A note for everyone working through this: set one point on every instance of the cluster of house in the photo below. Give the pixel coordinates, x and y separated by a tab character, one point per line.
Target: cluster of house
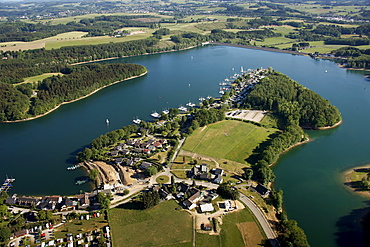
196	197
137	147
60	203
202	172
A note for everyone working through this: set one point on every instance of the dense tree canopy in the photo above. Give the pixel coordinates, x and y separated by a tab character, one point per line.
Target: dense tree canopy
279	93
80	81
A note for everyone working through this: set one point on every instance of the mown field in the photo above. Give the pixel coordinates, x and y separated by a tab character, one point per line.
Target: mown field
158	226
38	78
237	229
229	139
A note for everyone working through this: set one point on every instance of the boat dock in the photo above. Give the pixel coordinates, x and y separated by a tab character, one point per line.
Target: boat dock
7	184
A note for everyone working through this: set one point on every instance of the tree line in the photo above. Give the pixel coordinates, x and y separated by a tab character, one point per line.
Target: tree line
356	58
19	102
97	26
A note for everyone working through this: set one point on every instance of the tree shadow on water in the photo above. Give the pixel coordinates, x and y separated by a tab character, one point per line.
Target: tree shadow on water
351	231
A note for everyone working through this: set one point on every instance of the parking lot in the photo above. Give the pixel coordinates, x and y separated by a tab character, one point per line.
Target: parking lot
251	115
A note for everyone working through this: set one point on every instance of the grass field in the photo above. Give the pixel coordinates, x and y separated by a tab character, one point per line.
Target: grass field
178	163
38	78
230	139
158	226
55	44
204	239
230	233
180	173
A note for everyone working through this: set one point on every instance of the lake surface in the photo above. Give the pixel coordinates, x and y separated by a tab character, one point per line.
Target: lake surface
38	152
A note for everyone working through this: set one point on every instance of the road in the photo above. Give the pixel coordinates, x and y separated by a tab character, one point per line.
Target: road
261	219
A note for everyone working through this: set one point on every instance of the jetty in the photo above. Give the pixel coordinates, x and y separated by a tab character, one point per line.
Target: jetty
7	184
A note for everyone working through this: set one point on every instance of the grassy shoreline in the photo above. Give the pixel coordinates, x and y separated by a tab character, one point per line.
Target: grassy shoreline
71	101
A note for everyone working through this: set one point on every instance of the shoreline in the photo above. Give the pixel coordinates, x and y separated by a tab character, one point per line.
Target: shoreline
291	147
346	180
71	101
145	54
331	127
261	48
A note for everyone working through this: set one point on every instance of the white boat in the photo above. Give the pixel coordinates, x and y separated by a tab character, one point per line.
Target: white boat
190	104
107	121
183	108
137	121
208	97
166	112
202	99
155	115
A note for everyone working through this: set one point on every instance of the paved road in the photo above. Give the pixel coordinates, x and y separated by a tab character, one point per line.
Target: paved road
261	219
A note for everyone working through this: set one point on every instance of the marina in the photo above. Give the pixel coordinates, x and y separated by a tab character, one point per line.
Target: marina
71	168
7	184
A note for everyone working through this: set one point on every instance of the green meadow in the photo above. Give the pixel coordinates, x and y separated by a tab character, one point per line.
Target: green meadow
229	139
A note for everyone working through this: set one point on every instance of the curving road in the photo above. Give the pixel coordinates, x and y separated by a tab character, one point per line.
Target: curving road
271	236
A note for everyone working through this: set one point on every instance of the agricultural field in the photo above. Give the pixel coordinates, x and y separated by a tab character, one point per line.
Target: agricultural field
162	225
55	44
41	43
229	139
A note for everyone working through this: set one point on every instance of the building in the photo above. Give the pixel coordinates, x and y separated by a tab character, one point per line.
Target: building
208	207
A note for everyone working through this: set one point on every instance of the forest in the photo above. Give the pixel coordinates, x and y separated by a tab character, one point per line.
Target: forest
97	26
288	99
27	100
356	58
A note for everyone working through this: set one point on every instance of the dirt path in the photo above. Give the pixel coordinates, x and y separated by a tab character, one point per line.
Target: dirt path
199	156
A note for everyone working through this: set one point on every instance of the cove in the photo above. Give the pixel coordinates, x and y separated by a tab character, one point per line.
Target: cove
38	152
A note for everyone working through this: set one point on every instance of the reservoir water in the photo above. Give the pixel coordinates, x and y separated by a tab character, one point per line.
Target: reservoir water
38	152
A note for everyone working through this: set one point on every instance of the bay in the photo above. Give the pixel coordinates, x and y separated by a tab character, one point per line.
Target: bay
38	152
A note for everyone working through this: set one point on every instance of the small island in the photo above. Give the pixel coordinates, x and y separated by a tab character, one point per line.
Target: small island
358	180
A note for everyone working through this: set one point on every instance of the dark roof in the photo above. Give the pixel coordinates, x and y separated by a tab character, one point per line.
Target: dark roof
262	190
145	165
183	187
218	171
10	200
187	203
204	176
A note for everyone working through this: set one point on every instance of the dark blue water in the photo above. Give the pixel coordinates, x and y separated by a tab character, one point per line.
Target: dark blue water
37	152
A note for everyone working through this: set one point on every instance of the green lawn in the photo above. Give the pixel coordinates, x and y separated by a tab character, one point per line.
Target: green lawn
204	239
180	174
230	234
158	226
274	41
39	77
162	179
229	139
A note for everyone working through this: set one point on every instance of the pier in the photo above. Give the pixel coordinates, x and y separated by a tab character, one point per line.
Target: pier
7	184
